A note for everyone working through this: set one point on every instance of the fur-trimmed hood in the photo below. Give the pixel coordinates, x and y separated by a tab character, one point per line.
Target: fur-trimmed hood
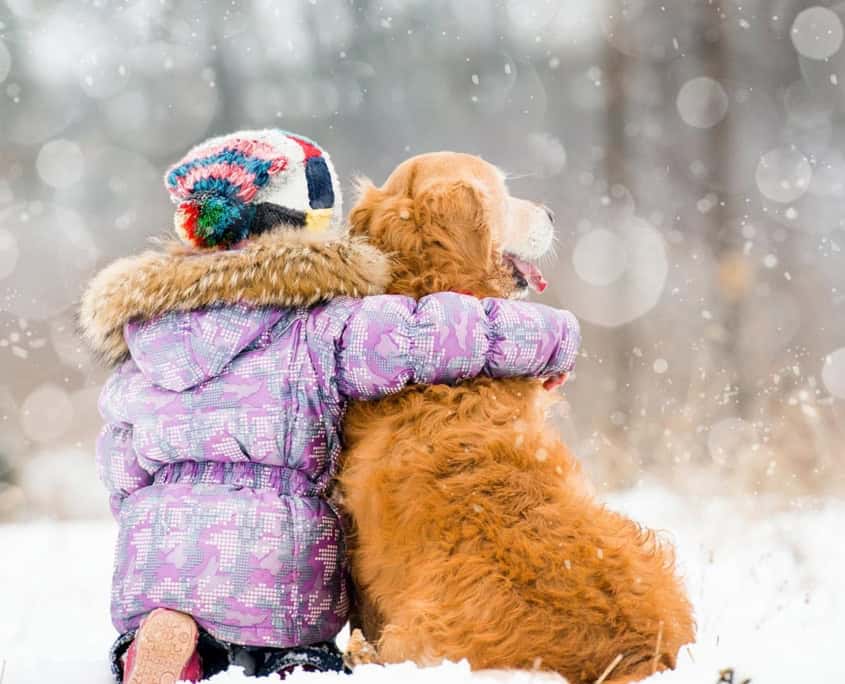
281	268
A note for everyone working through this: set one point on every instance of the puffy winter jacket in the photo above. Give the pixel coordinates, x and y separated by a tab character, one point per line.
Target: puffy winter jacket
223	433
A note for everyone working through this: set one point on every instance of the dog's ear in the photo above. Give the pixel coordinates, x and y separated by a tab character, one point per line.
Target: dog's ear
383	218
460	214
361	215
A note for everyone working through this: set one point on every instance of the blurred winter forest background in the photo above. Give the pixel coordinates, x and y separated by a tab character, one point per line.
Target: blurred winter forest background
691	149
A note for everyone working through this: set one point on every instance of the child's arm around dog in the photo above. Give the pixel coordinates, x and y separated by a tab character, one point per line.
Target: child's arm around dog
391	341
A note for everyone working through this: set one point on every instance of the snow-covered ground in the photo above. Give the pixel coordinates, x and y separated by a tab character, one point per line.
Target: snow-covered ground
766	585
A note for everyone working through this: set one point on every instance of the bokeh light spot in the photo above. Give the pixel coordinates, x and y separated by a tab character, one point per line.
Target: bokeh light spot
783	174
47	413
9	253
51	264
60	163
599	257
5	62
101	71
620	273
702	102
548	155
817	33
833	373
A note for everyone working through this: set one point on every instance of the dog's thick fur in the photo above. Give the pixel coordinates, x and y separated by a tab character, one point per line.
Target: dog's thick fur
475	535
279	268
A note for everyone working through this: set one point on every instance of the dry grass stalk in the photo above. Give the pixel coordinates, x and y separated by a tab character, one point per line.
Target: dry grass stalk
657	648
609	669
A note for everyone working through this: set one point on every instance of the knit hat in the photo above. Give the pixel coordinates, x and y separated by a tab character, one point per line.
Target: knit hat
235	186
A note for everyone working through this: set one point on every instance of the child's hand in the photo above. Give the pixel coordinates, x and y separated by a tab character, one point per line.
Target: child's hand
555	381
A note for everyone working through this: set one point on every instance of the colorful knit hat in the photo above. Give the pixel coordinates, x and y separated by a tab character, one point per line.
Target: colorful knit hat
235	186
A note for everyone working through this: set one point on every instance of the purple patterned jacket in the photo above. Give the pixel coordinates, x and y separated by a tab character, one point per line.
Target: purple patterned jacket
223	434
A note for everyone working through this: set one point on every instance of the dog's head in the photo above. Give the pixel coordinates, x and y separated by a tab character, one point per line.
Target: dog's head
451	224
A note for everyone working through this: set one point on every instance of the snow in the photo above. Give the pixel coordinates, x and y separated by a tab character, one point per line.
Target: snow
764	580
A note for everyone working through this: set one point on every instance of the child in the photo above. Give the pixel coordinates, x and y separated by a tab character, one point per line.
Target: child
223	421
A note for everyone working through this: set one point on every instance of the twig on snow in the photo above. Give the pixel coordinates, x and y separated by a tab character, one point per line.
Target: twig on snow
657	648
609	669
3	671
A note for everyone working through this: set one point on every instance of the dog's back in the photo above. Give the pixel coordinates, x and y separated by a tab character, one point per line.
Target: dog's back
476	538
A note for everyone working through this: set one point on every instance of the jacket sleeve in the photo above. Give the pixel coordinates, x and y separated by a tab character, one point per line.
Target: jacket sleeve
529	339
118	465
391	341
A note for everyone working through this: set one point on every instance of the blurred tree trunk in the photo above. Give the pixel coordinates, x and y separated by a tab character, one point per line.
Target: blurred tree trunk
615	68
226	117
734	278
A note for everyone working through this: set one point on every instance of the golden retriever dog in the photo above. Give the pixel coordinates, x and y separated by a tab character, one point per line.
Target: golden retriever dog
475	535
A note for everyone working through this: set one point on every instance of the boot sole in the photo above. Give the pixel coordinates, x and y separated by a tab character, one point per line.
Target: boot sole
164	644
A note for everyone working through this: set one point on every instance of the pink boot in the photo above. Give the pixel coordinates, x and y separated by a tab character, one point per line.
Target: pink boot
164	650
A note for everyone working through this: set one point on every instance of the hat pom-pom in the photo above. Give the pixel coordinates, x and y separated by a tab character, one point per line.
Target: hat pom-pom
213	221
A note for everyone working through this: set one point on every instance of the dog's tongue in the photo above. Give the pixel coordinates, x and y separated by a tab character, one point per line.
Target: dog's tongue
531	273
